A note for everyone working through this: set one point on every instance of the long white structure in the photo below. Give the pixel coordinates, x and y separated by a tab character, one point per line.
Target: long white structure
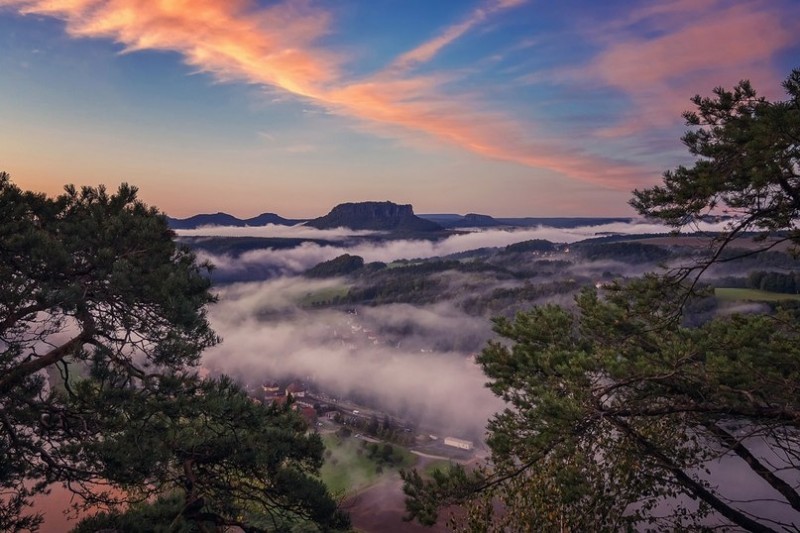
458	443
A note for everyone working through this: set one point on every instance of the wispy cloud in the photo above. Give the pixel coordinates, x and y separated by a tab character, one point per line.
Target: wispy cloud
427	50
228	38
662	54
280	47
277	47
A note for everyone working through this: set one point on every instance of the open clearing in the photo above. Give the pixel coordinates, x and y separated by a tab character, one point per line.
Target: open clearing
323	296
348	468
729	294
442	465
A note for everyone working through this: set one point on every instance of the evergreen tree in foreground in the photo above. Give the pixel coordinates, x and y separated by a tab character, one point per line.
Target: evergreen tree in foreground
619	417
102	323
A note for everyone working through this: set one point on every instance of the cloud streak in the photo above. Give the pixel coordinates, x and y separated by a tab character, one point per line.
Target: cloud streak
229	39
697	45
657	57
427	50
278	47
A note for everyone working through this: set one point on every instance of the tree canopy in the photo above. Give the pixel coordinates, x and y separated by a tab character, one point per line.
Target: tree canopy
747	165
619	416
102	324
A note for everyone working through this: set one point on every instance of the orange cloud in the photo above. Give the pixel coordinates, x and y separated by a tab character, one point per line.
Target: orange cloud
227	38
235	40
410	103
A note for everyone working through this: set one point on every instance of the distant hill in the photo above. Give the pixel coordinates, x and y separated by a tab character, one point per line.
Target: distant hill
340	266
271	218
534	245
474	220
443	219
224	219
378	216
562	222
470	220
388	216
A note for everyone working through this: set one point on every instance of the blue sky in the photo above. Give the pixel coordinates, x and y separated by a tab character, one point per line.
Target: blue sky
506	107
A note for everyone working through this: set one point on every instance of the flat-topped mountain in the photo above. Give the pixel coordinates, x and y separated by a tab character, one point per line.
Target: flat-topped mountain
224	219
377	216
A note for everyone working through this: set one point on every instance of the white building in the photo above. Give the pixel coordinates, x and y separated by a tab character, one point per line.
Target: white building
458	443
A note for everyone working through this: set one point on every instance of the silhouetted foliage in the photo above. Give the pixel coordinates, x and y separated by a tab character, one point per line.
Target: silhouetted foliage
617	412
102	323
747	167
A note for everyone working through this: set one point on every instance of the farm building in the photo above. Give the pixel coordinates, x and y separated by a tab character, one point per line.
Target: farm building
458	443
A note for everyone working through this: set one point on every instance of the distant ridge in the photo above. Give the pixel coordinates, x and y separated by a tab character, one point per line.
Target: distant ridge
388	216
270	218
564	222
376	216
474	220
224	219
470	220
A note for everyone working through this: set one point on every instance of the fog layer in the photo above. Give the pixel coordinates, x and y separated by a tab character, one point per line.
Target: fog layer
385	354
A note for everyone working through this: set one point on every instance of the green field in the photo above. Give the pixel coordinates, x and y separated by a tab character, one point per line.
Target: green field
728	294
403	458
323	296
442	465
348	467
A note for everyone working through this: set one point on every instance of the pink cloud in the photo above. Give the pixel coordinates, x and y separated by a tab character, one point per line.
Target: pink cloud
419	104
228	38
234	40
700	45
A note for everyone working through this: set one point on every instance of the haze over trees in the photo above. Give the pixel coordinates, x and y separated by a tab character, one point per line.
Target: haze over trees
620	416
102	323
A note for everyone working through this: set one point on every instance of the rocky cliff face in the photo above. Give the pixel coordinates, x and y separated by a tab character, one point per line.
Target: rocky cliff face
379	216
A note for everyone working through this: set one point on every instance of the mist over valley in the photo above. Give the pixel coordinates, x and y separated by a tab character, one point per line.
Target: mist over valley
392	319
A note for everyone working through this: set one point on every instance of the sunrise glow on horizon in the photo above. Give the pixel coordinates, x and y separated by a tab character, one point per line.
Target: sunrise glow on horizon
504	107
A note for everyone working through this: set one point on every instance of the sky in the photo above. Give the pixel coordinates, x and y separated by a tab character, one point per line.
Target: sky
503	107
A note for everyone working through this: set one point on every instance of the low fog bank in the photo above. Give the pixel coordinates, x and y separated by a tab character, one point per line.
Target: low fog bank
385	354
550	233
272	262
268	263
274	231
411	358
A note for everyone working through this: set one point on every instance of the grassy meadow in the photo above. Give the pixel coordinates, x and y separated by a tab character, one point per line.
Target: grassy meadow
730	295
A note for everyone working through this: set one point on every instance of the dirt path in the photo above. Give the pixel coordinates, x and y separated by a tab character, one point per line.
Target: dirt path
380	509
